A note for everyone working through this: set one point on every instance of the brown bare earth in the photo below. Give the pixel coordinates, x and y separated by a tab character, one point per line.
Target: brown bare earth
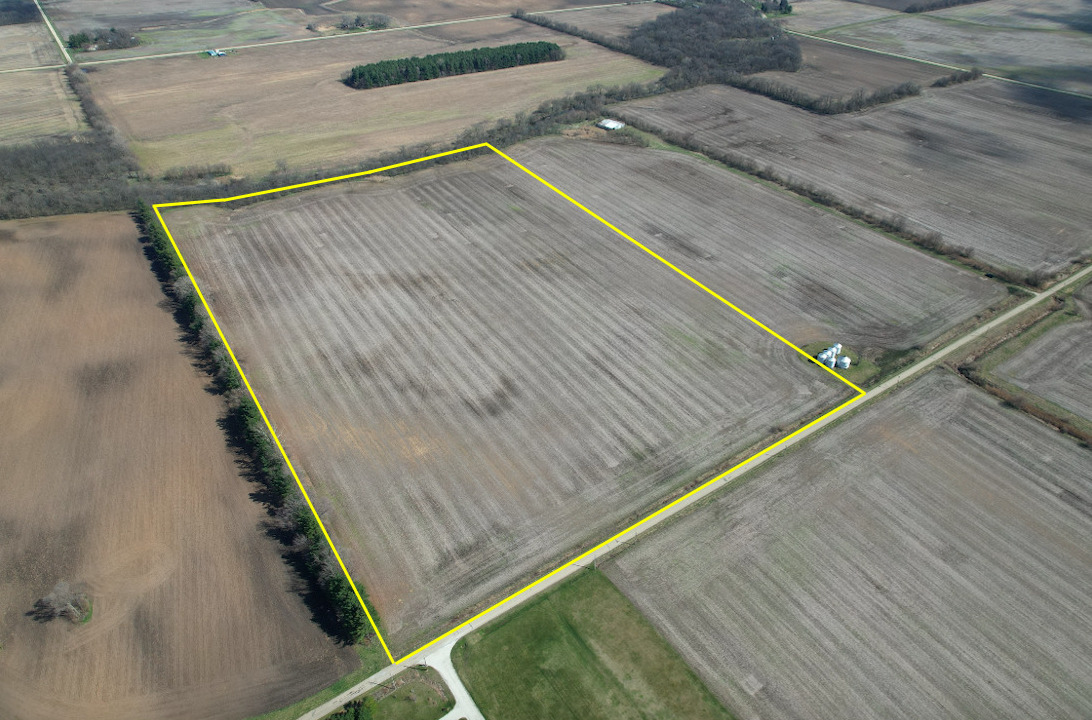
116	477
36	105
835	70
1058	365
942	161
415	12
613	22
816	15
805	272
258	106
477	377
26	45
926	558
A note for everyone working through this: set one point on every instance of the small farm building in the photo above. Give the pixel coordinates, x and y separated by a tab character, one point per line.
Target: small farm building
608	124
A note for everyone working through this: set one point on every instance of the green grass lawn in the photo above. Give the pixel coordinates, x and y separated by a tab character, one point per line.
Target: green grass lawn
580	652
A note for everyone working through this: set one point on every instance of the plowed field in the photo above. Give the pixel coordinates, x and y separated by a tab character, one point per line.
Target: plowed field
288	103
942	161
804	272
37	105
926	558
477	376
830	69
1058	365
116	477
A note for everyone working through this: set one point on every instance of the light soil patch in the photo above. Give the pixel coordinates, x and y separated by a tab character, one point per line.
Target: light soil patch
176	26
926	558
613	22
117	477
416	12
942	161
814	15
36	105
1053	58
288	102
26	45
1058	365
834	70
477	377
807	273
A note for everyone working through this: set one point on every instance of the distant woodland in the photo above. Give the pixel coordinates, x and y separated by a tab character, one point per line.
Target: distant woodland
17	12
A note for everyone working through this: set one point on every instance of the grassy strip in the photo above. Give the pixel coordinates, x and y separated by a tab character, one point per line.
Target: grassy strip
247	431
581	651
462	62
417	693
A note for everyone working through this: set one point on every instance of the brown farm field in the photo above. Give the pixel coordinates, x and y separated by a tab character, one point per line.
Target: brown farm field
26	45
1056	58
477	378
36	105
942	161
801	270
1057	366
614	22
817	15
116	477
416	12
258	106
830	69
178	25
927	557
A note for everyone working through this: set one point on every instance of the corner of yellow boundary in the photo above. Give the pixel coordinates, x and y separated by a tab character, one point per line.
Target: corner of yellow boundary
575	560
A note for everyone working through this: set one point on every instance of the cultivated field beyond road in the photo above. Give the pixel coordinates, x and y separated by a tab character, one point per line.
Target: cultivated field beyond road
116	478
926	557
479	378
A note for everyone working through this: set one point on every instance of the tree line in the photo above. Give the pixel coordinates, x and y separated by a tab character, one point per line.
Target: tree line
103	39
243	423
462	62
18	12
936	5
714	41
827	104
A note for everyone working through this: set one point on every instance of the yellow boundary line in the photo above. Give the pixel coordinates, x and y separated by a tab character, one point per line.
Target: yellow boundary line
570	563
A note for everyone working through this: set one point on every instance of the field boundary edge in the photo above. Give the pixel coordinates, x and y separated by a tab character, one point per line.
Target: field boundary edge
299	484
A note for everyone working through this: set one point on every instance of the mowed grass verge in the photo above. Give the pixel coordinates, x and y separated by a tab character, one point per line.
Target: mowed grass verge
581	651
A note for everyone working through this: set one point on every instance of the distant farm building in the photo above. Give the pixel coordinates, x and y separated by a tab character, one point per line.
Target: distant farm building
216	53
608	124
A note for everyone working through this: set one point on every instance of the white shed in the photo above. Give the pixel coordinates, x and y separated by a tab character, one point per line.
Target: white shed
608	124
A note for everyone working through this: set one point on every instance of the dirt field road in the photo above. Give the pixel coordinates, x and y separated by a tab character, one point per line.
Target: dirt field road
633	533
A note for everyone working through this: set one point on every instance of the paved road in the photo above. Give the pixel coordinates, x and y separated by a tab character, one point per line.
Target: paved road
428	655
53	32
